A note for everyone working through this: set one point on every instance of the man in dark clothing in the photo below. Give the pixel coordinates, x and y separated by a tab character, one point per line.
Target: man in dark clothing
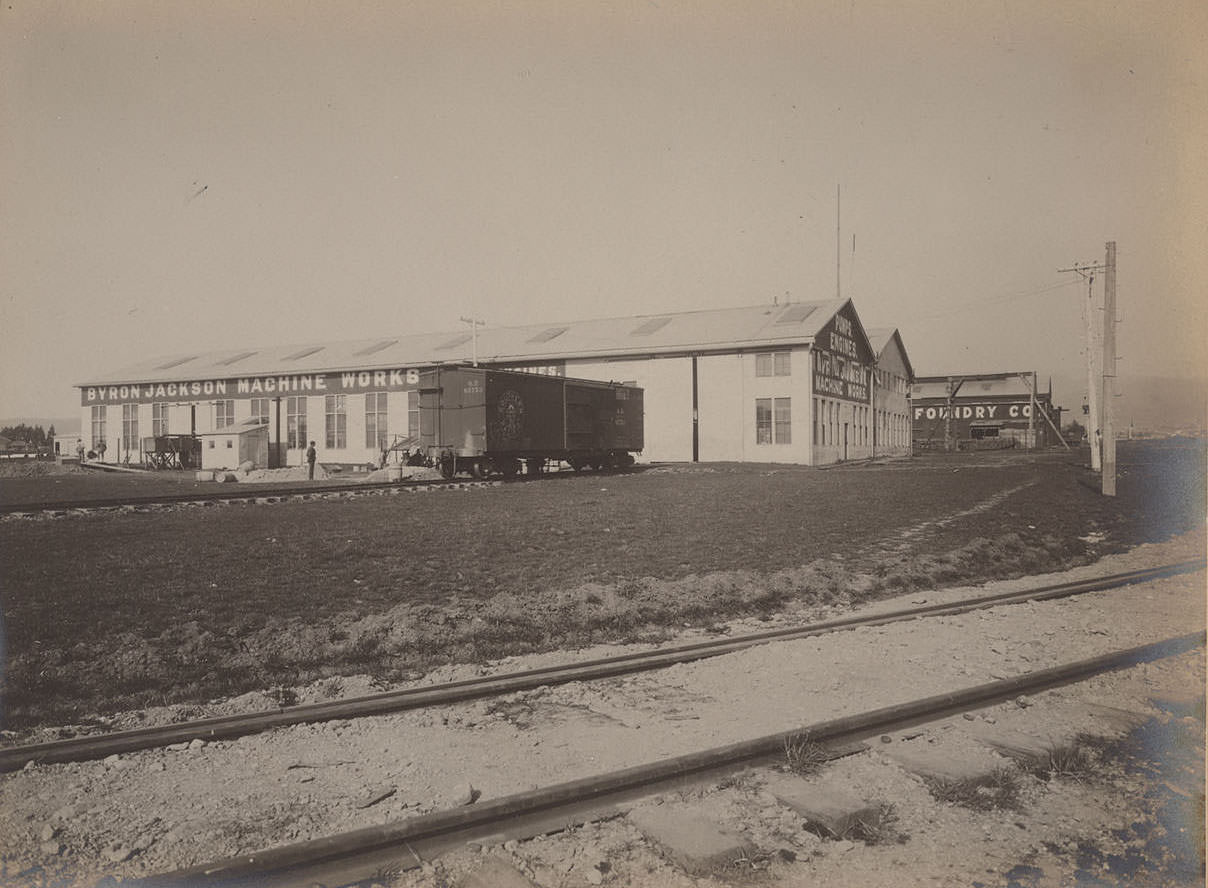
310	461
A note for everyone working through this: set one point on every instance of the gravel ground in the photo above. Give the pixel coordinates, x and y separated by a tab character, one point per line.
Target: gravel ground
128	815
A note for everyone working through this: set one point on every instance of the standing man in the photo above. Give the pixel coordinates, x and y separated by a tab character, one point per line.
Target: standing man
310	461
80	450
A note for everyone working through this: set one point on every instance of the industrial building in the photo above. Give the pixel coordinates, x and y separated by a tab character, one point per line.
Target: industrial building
795	383
984	410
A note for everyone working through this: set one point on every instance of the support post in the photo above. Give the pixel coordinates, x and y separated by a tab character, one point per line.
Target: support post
1031	383
1109	371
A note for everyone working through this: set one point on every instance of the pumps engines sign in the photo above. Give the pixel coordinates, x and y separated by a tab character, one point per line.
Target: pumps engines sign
838	370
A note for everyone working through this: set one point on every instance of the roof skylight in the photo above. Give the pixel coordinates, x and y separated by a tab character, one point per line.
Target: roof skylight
651	326
377	347
306	352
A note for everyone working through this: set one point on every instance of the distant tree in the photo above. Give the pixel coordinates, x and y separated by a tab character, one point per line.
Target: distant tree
50	432
1074	430
34	435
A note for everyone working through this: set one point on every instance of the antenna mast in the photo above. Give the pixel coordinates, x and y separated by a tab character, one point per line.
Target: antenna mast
838	244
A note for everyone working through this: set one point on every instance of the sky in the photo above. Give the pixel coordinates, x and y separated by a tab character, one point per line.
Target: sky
178	177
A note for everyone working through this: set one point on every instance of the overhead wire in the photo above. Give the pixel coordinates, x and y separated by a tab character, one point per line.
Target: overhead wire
997	300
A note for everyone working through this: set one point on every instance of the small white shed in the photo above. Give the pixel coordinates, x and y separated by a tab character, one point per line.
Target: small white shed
230	447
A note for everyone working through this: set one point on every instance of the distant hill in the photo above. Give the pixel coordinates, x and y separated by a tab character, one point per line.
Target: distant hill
65	426
1151	403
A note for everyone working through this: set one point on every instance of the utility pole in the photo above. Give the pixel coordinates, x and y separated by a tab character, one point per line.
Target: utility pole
954	386
1094	361
1032	413
1109	370
474	324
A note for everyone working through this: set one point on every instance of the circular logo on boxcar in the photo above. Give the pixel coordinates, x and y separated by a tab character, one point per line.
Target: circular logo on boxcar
510	412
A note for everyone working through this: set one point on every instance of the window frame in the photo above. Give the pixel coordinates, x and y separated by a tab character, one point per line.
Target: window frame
224	413
377	423
295	422
261	416
769	428
159	419
773	363
130	440
99	421
335	413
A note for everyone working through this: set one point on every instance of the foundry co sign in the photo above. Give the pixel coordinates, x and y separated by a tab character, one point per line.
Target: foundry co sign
252	387
976	411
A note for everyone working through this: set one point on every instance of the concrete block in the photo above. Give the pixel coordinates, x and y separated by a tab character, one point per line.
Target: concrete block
496	873
831	809
1026	748
936	763
1116	721
690	839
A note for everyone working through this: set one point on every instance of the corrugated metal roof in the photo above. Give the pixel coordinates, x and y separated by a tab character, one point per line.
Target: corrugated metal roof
693	331
974	385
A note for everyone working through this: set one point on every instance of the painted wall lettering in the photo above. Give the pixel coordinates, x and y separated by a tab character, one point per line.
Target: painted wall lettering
252	387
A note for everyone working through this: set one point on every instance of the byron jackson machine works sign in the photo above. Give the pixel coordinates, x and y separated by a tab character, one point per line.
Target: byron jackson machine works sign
252	387
841	360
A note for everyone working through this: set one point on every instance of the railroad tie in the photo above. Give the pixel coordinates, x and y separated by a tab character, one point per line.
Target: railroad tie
688	837
936	763
833	810
496	873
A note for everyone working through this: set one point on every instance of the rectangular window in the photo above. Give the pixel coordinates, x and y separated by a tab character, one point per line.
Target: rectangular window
224	414
763	420
295	423
773	421
412	414
773	364
337	421
260	410
782	416
159	420
130	428
375	420
98	425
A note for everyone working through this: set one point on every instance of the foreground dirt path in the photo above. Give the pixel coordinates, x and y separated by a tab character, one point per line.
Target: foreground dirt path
162	809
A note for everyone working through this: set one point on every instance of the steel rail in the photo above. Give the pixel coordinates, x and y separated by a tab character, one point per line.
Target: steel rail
175	499
349	488
366	853
233	726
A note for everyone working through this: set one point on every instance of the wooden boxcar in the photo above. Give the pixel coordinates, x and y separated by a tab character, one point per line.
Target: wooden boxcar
481	421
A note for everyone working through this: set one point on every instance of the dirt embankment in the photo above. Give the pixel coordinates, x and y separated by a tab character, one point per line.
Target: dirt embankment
120	612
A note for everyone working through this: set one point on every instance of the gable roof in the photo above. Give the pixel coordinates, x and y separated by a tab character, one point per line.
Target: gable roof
727	329
882	338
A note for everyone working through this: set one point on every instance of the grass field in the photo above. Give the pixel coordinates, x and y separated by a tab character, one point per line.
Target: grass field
111	612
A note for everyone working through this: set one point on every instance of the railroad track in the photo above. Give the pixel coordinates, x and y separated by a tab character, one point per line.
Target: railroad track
366	854
275	493
229	727
230	497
